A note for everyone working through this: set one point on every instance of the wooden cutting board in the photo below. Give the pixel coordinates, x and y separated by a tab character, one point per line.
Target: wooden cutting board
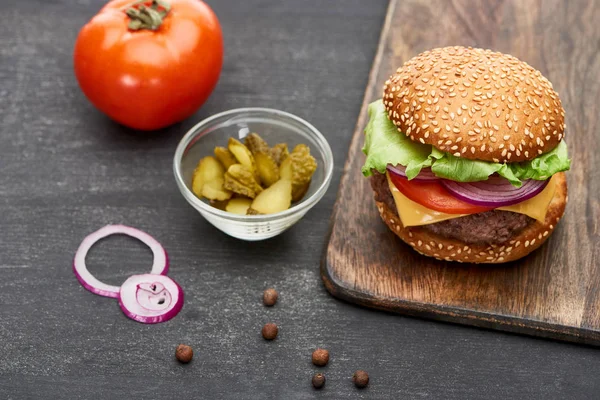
554	292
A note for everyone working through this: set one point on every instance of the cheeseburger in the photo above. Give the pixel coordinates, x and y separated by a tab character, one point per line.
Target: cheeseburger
465	153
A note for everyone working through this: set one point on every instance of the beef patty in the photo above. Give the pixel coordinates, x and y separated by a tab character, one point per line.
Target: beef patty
490	227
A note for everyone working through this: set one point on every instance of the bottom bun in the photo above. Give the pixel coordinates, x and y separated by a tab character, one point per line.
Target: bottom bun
443	248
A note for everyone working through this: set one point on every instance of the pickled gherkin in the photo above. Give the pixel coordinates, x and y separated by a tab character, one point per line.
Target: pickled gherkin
215	190
267	168
220	204
252	211
256	144
280	152
208	169
274	199
303	164
299	167
225	157
239	179
238	205
299	191
243	155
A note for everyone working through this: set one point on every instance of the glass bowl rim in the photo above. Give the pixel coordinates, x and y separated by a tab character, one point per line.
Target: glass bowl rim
303	204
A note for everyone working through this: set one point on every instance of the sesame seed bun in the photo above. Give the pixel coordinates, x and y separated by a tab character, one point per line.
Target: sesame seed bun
443	248
475	103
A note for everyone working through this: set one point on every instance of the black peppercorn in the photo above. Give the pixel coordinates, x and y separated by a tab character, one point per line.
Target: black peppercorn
320	357
269	331
270	297
184	353
318	381
360	379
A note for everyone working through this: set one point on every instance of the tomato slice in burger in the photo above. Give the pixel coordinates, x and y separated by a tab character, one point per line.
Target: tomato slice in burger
434	196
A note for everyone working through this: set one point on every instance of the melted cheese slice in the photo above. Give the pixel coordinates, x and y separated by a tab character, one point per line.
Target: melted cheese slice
414	214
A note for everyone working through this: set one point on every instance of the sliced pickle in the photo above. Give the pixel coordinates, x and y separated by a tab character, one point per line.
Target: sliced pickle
285	169
243	155
220	204
239	179
239	205
299	191
214	190
303	164
267	168
298	167
256	144
207	170
276	198
280	152
225	157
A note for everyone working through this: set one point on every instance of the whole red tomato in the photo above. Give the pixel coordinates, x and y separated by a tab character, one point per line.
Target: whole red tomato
149	64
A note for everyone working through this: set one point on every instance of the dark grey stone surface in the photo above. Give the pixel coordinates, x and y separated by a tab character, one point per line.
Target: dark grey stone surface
66	170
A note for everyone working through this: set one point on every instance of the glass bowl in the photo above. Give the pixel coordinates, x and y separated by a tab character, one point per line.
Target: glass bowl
274	126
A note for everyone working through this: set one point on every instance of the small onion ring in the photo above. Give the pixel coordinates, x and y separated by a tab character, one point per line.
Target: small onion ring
494	192
150	299
425	174
160	264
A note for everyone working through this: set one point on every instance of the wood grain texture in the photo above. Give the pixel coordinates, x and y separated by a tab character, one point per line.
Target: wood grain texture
553	292
65	171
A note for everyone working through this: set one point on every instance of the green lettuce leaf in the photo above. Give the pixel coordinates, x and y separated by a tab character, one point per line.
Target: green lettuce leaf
384	145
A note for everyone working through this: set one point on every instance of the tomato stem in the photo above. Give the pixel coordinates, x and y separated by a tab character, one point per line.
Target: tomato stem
144	16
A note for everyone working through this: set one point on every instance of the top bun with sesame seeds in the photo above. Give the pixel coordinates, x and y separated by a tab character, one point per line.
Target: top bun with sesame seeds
475	103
